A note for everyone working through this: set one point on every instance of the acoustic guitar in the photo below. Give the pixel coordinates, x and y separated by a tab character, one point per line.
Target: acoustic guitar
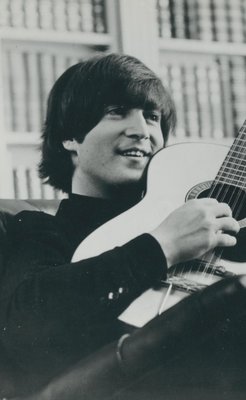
175	175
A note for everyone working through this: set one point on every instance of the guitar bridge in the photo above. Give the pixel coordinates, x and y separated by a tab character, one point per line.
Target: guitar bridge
222	272
180	282
183	284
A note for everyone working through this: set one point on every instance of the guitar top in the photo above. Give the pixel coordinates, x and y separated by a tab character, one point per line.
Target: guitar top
175	175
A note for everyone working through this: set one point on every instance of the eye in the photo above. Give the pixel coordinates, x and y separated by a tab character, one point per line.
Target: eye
115	111
154	116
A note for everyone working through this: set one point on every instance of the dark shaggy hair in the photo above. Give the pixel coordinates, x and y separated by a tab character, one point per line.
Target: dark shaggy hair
78	100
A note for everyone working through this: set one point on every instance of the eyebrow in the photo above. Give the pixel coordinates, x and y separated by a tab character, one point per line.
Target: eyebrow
153	107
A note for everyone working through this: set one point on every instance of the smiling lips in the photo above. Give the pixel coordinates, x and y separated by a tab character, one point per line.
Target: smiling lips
134	152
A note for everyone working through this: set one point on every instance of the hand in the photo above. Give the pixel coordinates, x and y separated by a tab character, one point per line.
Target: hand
193	229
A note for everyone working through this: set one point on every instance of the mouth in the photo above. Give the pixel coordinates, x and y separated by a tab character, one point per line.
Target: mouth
135	153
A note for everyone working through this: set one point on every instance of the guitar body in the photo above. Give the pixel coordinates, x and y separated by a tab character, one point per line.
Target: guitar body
175	175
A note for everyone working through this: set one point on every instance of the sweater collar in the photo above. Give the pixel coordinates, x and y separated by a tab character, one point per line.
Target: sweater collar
92	211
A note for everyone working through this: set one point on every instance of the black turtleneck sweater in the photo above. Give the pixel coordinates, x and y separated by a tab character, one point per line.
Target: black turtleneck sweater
54	312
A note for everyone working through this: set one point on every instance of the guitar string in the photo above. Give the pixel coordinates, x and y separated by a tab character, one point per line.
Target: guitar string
233	150
232	180
236	148
237	204
218	253
242	175
239	167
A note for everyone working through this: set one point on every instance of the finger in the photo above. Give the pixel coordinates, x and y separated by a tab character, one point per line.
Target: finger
207	201
225	240
222	210
227	224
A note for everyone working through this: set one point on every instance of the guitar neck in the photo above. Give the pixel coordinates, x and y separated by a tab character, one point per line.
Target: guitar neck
233	169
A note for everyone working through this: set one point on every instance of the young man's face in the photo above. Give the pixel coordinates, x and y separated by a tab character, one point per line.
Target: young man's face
117	150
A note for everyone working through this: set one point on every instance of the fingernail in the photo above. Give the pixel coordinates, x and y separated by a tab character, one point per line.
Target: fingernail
242	280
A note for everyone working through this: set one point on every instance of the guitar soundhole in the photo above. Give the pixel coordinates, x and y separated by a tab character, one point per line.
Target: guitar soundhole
236	198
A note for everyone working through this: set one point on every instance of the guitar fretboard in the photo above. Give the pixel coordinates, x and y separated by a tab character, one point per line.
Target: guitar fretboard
233	169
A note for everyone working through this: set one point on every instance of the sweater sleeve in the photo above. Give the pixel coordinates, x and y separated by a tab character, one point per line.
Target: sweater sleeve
42	278
52	307
43	252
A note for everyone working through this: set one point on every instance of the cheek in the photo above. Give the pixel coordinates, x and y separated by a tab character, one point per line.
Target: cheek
93	158
159	140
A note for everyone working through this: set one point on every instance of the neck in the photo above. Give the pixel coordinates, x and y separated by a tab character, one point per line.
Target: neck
127	193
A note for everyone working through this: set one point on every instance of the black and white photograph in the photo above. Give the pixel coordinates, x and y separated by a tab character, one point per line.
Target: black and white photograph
122	200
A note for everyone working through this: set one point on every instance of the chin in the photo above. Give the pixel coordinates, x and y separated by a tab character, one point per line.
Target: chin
132	182
132	179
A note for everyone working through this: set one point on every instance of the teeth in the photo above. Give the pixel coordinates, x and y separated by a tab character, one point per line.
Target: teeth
134	153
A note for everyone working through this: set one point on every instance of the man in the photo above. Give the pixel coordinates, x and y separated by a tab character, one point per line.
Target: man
106	118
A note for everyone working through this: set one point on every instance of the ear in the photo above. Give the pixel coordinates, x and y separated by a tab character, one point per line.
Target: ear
70	145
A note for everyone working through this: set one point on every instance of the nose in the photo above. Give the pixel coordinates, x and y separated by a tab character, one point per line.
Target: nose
137	127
